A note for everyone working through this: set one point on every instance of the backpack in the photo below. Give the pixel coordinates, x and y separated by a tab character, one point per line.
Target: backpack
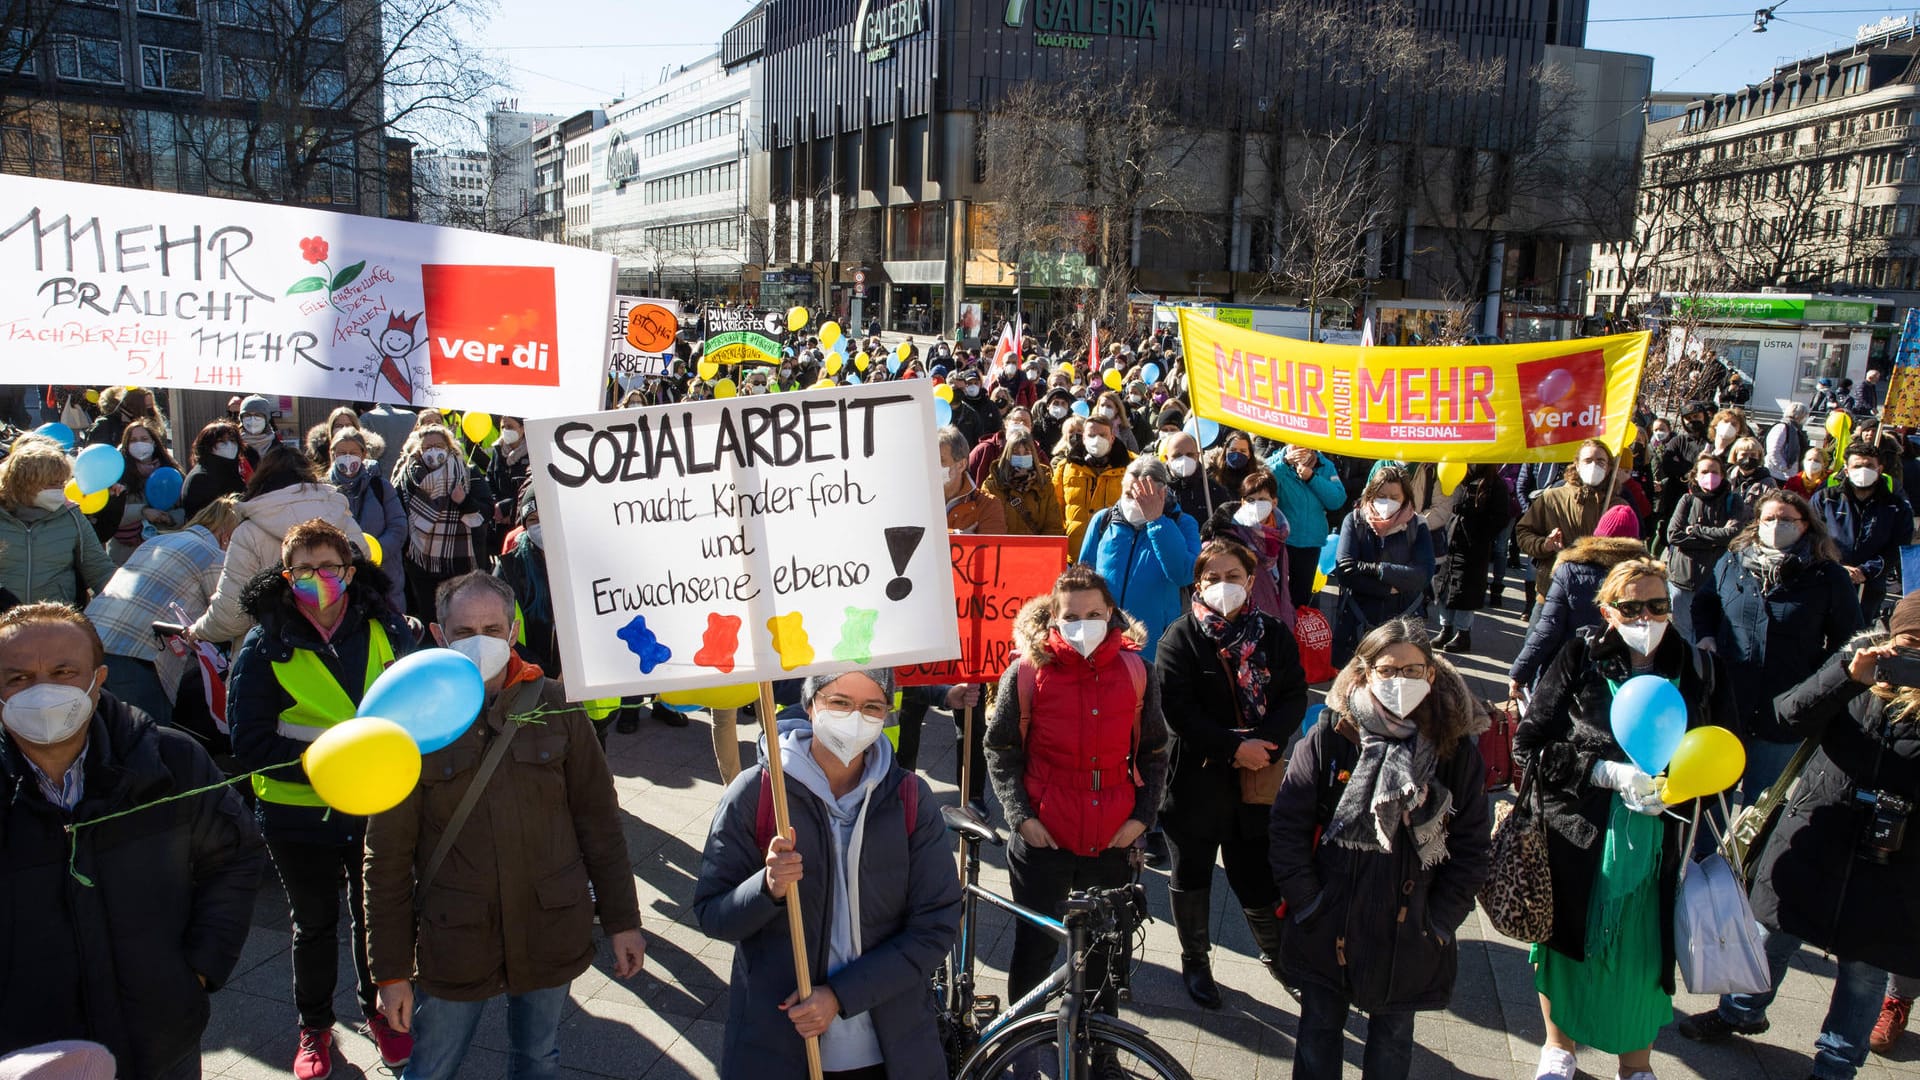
763	815
1025	676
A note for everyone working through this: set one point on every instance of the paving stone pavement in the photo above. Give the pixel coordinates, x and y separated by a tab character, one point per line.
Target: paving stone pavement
669	1022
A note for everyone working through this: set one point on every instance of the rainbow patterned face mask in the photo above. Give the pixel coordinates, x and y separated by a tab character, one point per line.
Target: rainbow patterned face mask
318	590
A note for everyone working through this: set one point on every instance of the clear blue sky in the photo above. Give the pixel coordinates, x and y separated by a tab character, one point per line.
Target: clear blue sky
568	55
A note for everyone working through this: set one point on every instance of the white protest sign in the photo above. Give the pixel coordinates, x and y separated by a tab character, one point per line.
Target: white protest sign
644	328
745	539
112	285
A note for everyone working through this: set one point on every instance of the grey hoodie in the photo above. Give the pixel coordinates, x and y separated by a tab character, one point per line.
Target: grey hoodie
850	1043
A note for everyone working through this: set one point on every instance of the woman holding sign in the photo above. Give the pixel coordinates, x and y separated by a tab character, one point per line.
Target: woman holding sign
868	858
1234	690
1077	752
1605	976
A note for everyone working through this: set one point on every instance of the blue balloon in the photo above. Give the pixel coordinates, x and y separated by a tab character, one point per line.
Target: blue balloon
677	708
1204	431
854	379
1329	553
893	363
435	694
1151	373
1314	712
98	468
1080	408
58	432
163	488
942	412
1649	720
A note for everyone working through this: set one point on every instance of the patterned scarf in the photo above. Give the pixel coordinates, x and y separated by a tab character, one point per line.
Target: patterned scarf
1392	784
1236	639
437	540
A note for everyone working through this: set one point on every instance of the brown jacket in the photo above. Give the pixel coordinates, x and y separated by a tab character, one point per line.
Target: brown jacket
509	911
1574	509
977	512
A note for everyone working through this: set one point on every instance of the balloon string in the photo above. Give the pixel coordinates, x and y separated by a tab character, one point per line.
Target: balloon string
73	829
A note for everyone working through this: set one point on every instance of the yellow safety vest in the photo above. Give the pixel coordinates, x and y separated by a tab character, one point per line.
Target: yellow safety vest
892	730
319	702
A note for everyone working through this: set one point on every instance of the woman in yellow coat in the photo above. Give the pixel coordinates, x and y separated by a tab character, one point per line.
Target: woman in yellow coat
1089	478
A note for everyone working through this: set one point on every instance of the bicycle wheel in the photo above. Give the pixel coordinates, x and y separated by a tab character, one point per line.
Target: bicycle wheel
1027	1050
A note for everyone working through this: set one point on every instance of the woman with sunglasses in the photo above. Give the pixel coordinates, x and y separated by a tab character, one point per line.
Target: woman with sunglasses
1605	976
1775	608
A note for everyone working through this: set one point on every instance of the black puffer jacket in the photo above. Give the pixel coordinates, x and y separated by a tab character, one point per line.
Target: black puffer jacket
1568	728
1202	705
1702	526
1377	927
1811	881
172	897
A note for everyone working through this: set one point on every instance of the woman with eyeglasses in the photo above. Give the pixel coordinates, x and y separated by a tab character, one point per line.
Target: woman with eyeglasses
869	861
1776	607
1384	560
1605	976
1379	842
324	632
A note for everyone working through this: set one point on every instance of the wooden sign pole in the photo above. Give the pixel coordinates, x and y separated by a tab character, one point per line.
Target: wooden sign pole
795	928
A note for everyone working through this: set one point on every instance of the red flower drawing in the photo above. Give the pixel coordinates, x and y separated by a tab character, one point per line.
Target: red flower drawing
314	249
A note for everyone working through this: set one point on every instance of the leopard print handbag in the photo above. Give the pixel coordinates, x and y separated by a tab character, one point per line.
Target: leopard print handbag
1518	894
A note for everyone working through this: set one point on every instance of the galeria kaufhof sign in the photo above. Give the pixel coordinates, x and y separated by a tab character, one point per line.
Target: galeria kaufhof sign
1074	24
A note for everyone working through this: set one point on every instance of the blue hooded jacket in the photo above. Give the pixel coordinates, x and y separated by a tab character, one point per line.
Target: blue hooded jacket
1146	567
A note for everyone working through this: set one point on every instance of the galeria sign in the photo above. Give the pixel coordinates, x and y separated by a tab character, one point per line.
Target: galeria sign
1493	403
109	285
745	539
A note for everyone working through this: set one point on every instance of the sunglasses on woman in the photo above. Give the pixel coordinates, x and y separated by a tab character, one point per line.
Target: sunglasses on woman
1633	609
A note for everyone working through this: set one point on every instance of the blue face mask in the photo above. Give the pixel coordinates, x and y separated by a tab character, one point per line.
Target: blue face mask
1021	461
1236	460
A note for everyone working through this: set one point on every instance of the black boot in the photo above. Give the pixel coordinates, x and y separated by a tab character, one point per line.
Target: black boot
1444	639
1496	593
1526	609
1266	937
1192	909
1460	642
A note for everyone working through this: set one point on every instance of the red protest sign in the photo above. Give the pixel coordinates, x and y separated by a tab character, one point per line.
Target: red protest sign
993	577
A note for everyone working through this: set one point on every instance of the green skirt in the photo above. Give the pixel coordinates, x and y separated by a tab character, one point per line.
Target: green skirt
1614	1001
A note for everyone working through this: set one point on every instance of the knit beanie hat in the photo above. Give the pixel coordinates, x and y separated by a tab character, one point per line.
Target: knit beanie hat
1619	521
1906	615
811	686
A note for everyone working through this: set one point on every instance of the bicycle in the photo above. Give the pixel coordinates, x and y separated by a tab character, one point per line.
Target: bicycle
1067	1042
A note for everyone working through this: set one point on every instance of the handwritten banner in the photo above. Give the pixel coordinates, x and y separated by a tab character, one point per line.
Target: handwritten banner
111	285
1497	403
993	576
644	331
745	539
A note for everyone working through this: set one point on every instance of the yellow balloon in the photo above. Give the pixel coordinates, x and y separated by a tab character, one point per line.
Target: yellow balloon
834	363
796	319
1633	432
862	361
93	397
1319	579
943	392
1067	369
724	388
477	426
90	502
708	369
904	351
1708	761
1450	473
374	554
829	333
1112	379
1840	426
363	766
715	697
823	384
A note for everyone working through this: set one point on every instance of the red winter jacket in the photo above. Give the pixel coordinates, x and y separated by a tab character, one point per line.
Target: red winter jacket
1083	766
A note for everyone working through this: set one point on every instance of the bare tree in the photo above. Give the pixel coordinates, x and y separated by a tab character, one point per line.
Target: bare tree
1084	166
313	87
1329	199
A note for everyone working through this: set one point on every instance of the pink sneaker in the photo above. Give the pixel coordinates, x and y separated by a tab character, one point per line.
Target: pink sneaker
396	1049
314	1059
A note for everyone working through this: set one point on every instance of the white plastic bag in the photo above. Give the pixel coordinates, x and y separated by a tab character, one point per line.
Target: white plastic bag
1715	938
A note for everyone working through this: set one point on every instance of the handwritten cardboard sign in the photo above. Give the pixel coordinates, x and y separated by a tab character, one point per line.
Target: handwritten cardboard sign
993	577
745	539
644	331
111	285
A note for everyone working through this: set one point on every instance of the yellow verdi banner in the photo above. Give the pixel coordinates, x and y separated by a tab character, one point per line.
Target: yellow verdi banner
1499	403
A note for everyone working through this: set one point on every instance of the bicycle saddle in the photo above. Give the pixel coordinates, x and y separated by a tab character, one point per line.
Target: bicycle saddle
964	823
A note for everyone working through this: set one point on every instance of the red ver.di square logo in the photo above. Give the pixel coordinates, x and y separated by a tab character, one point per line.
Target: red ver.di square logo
492	325
1563	398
